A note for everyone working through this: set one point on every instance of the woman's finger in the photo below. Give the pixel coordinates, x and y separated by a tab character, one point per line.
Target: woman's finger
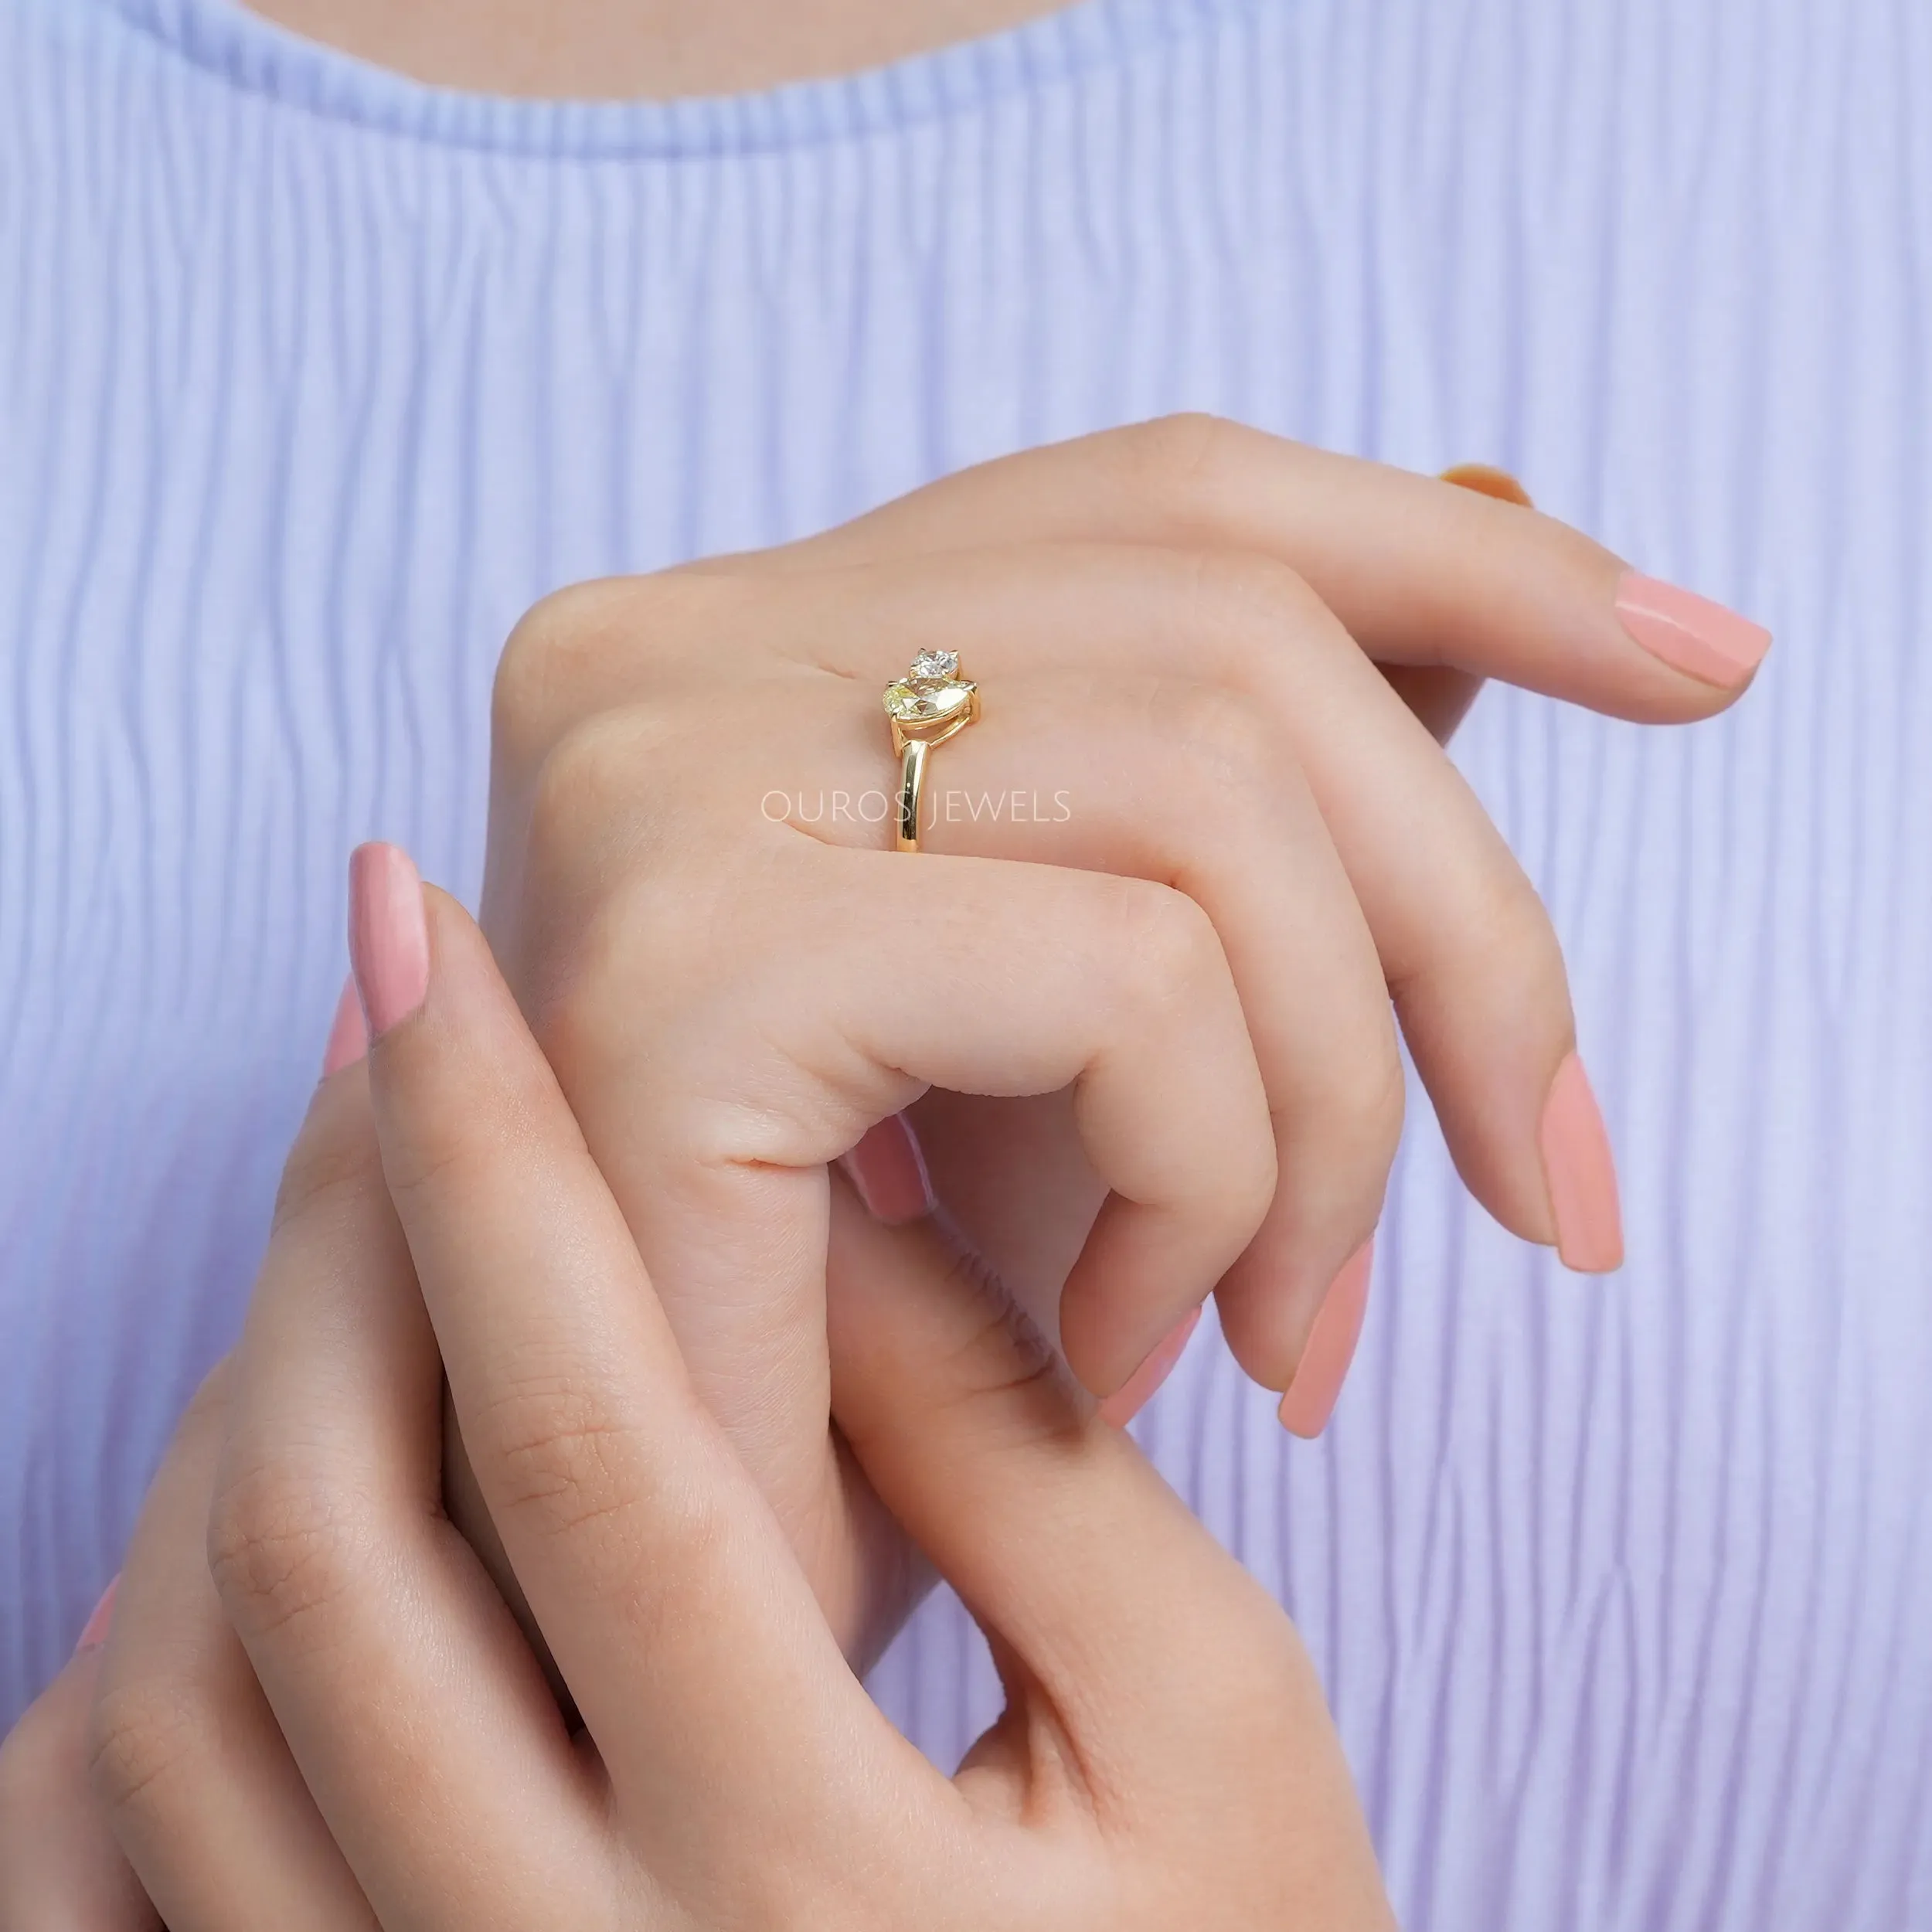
1441	695
678	1615
1420	571
188	1765
1185	784
1088	1573
798	996
61	1869
958	1409
1466	947
420	1721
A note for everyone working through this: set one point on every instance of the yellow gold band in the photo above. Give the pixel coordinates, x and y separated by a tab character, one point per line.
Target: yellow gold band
931	703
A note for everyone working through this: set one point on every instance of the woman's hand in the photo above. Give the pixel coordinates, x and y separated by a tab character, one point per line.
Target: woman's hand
1439	589
340	1726
1185	636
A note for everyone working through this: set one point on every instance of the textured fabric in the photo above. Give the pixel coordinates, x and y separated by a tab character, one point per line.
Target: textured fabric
313	379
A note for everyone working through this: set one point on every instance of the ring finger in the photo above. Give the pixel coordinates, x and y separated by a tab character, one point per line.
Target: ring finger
1183	784
1466	948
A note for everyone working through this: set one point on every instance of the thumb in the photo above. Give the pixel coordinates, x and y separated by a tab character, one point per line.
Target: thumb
1059	1535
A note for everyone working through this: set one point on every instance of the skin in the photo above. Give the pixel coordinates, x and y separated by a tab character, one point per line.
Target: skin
224	1744
654	49
1206	601
1267	827
323	1716
1274	819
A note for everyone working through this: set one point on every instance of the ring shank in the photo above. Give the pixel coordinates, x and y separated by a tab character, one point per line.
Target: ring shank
912	785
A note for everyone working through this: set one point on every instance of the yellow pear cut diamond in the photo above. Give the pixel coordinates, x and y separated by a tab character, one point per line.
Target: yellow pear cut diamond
932	700
926	701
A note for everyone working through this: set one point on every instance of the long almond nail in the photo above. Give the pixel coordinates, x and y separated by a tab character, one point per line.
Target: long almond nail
1311	1396
888	1170
1691	634
1581	1173
1140	1387
95	1634
348	1034
388	941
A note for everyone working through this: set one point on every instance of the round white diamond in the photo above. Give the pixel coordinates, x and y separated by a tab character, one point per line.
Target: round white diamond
938	665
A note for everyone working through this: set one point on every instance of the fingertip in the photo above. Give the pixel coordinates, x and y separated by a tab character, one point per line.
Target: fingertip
419	955
1102	1345
1691	634
1311	1396
887	1168
347	1033
100	1621
1146	1381
1580	1170
455	1076
388	934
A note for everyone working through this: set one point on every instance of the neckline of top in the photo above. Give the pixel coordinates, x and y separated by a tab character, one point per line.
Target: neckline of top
252	52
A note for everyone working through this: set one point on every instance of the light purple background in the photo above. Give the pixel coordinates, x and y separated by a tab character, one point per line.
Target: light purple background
310	381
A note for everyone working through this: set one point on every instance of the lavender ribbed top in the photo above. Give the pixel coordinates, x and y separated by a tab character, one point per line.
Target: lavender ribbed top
312	379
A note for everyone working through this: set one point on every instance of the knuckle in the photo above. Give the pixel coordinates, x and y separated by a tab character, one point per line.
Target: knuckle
1248	599
546	655
1358	1119
559	1457
656	1535
1522	928
597	643
149	1742
1173	457
1163	947
1380	1101
1515	951
990	1378
670	1565
285	1543
1245	1181
1001	1369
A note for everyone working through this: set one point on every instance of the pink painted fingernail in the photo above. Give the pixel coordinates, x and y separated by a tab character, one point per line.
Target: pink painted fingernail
348	1034
1126	1402
95	1634
389	940
889	1170
1581	1173
1311	1396
1690	632
1486	480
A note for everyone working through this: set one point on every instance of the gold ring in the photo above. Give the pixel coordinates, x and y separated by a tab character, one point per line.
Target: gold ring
926	707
